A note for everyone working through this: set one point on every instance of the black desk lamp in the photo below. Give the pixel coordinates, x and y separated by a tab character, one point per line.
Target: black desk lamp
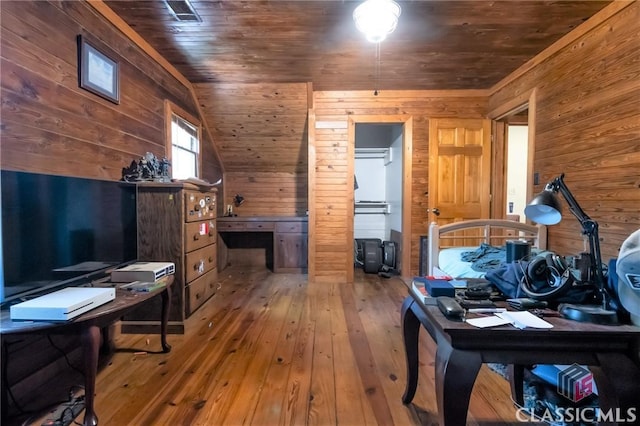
545	209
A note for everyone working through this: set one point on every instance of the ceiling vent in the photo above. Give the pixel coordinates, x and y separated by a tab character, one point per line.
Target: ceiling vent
183	10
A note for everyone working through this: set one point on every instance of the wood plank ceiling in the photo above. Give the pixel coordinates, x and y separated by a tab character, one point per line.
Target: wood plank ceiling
250	61
437	45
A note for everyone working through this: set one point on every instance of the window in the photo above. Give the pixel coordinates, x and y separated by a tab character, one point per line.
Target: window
183	143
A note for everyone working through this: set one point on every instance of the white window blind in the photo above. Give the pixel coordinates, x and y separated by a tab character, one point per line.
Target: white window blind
185	148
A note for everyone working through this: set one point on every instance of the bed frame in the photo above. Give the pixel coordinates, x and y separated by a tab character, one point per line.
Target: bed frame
474	232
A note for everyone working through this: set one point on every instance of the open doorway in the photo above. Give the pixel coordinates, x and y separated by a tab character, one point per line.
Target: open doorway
394	192
377	218
519	113
517	146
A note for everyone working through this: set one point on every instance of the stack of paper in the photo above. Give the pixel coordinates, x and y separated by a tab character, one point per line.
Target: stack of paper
519	319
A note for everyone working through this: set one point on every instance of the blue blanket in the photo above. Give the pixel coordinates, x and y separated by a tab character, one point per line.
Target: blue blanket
485	257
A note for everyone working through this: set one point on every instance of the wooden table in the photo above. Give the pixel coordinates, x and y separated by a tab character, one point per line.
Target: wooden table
612	352
88	326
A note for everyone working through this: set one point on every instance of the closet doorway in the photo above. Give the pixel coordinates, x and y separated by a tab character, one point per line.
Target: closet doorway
381	208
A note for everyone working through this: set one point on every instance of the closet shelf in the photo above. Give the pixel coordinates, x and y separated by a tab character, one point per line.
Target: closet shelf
372	207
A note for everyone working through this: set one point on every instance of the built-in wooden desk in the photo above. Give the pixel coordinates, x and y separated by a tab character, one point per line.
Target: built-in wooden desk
88	327
610	351
283	239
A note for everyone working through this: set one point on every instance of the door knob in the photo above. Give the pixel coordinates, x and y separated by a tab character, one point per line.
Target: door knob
436	211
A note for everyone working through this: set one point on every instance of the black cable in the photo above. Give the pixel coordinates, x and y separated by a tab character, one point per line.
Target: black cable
5	379
35	413
64	354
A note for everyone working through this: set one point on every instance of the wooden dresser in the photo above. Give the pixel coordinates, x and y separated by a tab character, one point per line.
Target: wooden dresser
177	223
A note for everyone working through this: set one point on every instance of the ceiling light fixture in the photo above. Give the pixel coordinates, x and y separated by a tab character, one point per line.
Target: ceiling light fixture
377	18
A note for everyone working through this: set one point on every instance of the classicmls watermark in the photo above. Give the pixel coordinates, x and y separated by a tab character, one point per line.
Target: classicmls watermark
576	383
587	415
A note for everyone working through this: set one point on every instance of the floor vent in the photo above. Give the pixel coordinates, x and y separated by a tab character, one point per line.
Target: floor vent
183	10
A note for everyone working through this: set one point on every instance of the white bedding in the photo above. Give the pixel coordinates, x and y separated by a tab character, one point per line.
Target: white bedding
450	263
443	253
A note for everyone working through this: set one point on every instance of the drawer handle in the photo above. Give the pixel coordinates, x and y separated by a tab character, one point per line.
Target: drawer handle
211	232
210	259
196	237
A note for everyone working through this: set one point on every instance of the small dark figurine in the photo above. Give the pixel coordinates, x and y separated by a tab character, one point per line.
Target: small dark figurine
164	167
148	168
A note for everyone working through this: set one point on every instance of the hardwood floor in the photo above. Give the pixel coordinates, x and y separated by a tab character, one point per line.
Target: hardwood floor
272	349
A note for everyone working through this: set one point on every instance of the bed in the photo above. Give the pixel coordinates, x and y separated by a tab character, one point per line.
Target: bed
447	244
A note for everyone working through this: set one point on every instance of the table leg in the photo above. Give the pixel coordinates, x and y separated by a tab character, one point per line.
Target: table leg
108	346
516	381
410	331
456	373
91	345
618	381
166	305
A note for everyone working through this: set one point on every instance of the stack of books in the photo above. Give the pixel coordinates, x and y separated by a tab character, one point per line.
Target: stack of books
419	290
145	286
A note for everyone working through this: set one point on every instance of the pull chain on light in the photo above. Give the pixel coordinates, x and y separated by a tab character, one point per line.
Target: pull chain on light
377	19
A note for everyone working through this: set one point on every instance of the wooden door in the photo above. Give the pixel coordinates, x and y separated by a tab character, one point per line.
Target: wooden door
459	169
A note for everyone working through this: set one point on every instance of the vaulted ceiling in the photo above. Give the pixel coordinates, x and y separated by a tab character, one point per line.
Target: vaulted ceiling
445	44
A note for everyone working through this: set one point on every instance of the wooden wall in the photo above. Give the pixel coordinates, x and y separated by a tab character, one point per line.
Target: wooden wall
587	101
261	133
331	189
51	125
588	124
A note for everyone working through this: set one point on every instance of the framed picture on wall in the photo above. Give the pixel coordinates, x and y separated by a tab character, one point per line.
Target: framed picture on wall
97	72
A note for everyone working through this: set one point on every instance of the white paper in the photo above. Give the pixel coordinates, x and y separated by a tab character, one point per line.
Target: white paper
523	319
520	319
490	321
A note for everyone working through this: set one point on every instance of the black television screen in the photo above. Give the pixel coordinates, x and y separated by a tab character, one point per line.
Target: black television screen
58	231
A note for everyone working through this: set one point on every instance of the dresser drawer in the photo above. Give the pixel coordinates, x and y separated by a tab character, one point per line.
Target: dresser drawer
199	234
199	205
200	290
199	262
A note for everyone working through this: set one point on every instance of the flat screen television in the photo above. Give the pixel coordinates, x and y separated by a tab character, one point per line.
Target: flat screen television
59	231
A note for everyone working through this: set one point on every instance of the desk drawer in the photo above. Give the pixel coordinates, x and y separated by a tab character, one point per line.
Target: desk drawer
292	227
259	226
199	234
201	290
199	262
231	226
